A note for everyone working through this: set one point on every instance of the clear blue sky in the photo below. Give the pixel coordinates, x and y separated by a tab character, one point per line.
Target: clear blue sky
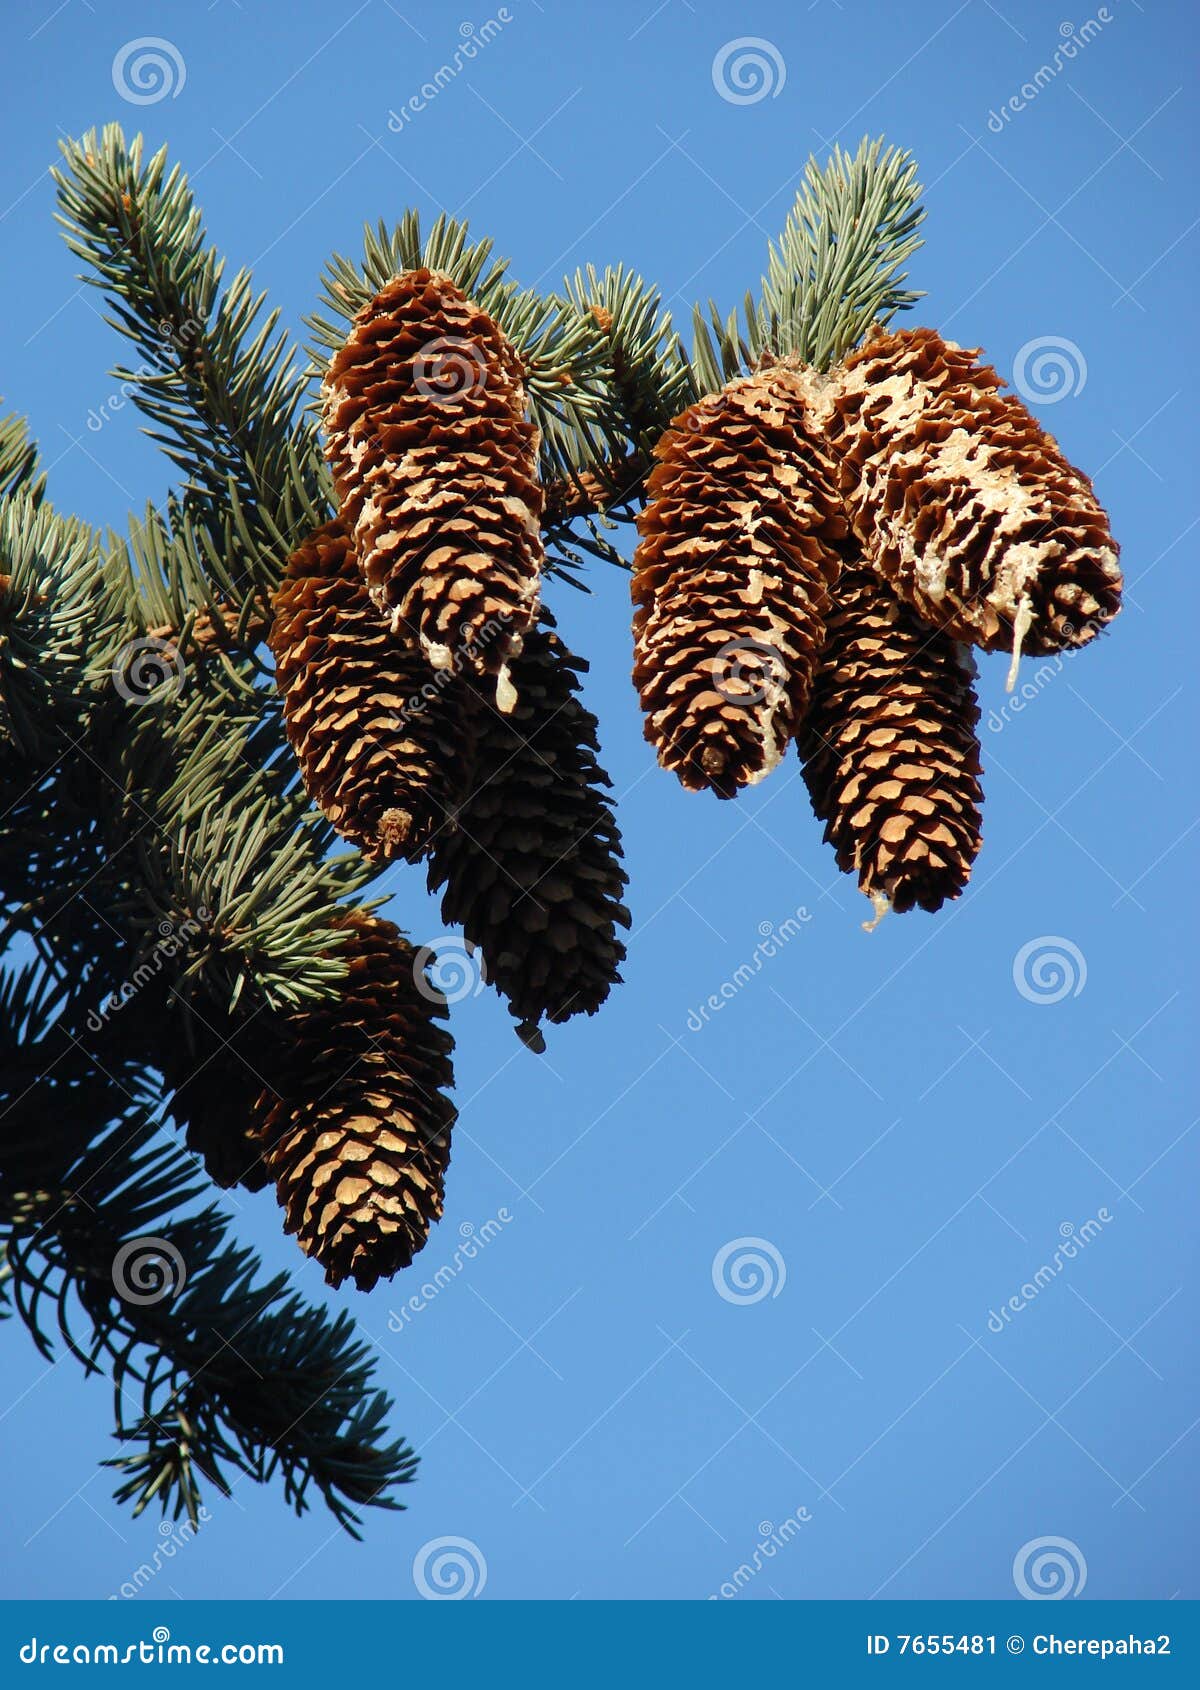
911	1134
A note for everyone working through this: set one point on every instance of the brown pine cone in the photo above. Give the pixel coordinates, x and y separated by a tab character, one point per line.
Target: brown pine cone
731	582
436	469
532	872
890	753
356	1129
377	733
962	499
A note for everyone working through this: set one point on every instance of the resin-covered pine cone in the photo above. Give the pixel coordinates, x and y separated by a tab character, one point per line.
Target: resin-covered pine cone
963	501
731	582
436	470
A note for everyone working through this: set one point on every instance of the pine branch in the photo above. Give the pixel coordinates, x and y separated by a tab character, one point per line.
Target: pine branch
217	379
836	269
55	601
566	373
18	459
214	1370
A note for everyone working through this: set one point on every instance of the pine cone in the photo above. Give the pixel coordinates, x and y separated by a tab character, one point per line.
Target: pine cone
436	468
532	871
356	1131
377	733
215	1070
731	582
890	754
964	501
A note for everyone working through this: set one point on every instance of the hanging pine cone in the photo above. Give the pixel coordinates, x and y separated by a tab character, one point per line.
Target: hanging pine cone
214	1070
532	871
377	733
436	468
890	754
731	582
356	1130
964	501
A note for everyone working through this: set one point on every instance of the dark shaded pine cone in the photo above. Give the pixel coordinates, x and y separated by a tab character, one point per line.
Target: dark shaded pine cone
532	872
215	1071
964	502
377	733
890	754
356	1130
731	582
436	469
